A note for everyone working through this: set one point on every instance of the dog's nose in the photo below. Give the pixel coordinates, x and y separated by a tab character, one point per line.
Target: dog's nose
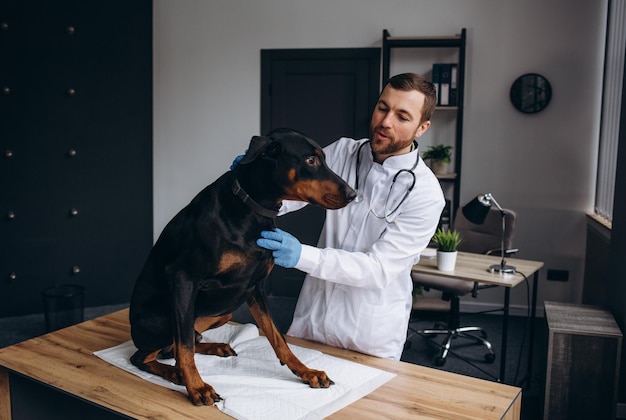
350	195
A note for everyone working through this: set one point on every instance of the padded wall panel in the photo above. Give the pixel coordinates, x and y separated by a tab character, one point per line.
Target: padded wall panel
76	148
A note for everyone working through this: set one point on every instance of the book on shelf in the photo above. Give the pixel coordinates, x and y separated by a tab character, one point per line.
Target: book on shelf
445	78
454	76
435	79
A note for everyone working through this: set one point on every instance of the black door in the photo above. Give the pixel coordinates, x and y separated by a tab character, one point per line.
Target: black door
76	144
326	94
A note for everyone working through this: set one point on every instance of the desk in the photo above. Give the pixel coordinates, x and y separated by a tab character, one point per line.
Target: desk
64	360
474	268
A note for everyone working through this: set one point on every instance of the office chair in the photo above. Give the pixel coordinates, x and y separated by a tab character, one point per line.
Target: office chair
481	239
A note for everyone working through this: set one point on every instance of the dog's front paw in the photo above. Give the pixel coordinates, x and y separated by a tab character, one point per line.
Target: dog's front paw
316	378
204	395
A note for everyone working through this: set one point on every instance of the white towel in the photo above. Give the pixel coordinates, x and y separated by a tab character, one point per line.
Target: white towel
254	385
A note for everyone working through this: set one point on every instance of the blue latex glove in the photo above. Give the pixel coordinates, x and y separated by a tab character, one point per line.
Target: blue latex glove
286	248
237	160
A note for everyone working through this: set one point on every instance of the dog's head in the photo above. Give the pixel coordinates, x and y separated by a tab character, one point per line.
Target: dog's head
298	168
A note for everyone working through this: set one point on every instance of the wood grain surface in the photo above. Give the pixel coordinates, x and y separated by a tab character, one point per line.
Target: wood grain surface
475	267
64	360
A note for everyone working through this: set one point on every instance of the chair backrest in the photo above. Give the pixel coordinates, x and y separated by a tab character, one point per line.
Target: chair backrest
483	238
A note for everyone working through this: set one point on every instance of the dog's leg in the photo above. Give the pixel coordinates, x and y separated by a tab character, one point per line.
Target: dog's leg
166	353
200	393
217	349
147	361
260	311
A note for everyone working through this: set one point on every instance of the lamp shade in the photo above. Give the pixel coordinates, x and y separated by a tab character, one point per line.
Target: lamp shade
476	210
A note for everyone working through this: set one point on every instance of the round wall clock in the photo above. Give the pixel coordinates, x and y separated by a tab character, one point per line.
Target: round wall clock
530	93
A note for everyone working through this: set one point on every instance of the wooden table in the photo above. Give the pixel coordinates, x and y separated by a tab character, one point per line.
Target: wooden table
64	360
475	268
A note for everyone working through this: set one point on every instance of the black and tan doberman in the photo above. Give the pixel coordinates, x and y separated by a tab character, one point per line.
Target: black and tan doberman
206	262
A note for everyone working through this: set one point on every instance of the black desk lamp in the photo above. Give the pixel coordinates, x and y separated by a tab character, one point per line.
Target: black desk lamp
476	212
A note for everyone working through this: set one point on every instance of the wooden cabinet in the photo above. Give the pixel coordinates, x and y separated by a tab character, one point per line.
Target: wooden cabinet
584	348
418	54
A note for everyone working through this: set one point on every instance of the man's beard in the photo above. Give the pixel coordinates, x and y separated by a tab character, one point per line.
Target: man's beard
391	146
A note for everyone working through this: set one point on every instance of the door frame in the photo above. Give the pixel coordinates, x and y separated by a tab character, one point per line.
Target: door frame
284	282
268	57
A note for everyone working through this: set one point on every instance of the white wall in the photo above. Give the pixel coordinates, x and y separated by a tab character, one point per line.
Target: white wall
207	101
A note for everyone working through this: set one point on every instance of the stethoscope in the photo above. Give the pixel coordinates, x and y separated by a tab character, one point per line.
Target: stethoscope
359	195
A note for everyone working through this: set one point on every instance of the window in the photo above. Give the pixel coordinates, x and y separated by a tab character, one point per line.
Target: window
611	108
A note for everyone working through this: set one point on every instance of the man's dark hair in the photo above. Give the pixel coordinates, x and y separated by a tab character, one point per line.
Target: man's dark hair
413	81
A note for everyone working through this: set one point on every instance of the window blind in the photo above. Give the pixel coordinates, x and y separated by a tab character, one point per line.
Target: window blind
611	108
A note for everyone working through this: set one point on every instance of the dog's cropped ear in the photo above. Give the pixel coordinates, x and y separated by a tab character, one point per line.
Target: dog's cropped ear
260	146
256	147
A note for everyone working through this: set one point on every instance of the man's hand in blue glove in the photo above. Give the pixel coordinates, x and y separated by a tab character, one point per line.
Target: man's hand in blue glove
286	248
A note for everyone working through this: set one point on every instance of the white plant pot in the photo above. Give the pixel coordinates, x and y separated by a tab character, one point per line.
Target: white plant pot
446	261
439	167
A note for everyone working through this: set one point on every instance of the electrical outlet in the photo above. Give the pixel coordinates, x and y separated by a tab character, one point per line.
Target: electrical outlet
558	275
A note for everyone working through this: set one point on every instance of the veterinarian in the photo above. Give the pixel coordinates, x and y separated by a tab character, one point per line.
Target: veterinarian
357	291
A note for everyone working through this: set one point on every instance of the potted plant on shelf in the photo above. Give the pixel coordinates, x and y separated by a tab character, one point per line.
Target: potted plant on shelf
447	241
439	157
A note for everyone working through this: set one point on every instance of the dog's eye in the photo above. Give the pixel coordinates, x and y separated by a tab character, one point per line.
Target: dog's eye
312	161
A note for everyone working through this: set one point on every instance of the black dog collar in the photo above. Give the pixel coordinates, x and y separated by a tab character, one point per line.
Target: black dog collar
248	201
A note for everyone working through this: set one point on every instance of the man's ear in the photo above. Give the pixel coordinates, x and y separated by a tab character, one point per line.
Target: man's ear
422	129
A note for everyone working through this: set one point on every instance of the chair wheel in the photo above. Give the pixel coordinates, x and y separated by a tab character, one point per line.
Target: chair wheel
490	357
440	361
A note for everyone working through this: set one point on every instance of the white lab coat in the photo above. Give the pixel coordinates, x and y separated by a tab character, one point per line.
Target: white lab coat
357	293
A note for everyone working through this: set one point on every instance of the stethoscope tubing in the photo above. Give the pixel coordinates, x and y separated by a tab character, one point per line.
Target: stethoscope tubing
393	181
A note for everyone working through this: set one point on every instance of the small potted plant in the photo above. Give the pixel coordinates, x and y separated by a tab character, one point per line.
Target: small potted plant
447	241
439	157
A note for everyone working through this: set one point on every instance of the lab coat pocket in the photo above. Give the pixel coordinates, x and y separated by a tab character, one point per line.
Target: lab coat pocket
379	327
